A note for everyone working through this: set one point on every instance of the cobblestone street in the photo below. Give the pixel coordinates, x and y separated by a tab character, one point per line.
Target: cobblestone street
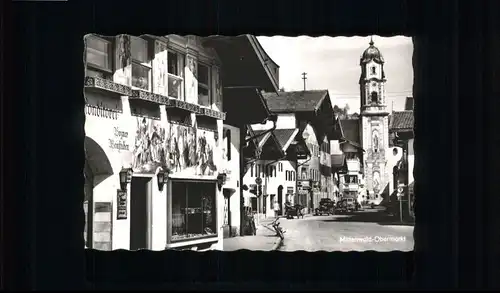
360	231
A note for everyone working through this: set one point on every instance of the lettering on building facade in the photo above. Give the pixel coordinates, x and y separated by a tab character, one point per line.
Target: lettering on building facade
119	140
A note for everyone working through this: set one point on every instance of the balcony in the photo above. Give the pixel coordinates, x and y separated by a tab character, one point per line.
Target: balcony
150	97
104	85
212	113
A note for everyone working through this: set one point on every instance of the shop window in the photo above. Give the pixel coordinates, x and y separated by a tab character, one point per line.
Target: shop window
98	56
175	75
204	80
194	210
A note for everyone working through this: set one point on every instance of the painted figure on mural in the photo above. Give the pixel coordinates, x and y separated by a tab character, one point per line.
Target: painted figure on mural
192	147
177	155
149	150
141	149
202	158
185	149
181	145
124	50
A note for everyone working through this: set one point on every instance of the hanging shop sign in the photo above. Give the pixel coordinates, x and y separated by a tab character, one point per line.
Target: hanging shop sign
121	213
118	141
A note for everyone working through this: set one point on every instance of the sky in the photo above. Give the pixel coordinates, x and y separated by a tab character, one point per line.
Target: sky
333	63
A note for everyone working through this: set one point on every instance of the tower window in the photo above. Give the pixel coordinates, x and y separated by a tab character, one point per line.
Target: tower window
374	97
374	70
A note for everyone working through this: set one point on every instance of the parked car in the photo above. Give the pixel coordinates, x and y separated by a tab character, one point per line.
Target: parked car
326	206
294	211
347	205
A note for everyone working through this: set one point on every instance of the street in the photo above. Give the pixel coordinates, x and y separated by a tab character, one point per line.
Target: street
370	229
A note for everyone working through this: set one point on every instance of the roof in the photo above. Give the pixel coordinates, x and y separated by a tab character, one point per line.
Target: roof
285	136
262	138
337	160
372	53
296	101
401	120
350	130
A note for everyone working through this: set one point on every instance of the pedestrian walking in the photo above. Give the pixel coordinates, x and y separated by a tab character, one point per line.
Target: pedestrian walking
276	209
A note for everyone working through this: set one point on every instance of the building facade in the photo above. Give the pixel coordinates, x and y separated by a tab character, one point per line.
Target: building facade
242	147
311	113
154	143
401	134
276	169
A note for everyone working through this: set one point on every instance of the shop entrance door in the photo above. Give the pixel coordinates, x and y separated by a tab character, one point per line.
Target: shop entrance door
140	213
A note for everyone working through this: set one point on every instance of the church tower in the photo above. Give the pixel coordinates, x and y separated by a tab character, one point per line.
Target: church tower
374	122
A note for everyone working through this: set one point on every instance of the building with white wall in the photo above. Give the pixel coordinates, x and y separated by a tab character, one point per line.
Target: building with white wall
275	168
153	108
246	71
311	113
401	134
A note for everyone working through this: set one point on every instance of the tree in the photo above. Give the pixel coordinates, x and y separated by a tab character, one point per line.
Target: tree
346	109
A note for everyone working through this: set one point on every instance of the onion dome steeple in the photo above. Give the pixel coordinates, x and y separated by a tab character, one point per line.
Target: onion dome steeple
371	53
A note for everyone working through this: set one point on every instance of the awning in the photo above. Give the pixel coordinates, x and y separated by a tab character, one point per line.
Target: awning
244	62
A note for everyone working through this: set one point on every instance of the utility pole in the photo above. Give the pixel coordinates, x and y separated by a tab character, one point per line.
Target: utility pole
304	79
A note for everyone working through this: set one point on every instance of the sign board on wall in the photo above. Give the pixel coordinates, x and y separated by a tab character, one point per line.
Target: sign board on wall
121	207
289	189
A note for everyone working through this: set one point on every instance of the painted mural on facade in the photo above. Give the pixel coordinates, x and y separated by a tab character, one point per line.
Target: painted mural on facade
218	88
122	60
160	66
182	149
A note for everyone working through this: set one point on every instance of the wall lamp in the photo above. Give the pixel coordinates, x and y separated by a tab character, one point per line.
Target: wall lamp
221	180
162	177
125	177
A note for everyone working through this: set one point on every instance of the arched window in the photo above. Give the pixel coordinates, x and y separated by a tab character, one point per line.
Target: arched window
374	97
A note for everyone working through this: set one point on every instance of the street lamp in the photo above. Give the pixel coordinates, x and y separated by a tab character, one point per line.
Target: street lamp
125	177
221	180
162	177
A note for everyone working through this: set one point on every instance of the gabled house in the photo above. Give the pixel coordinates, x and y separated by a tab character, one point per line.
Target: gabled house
311	113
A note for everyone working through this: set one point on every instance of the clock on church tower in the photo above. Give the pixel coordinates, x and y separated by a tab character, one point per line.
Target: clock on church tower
374	122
